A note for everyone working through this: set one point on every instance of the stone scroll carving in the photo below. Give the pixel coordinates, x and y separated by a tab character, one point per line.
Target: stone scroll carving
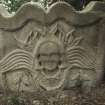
50	54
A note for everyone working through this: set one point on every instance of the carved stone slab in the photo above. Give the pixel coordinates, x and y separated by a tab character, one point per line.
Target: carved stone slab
52	49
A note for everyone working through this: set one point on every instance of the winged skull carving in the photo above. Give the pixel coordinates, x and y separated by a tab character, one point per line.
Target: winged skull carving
57	61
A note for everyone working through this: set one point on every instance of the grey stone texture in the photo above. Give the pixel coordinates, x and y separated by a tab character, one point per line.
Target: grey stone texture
58	48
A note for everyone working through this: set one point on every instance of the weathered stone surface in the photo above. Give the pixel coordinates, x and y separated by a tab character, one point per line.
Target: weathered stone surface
59	48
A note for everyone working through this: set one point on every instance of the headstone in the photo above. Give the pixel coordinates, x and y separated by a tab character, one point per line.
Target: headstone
54	49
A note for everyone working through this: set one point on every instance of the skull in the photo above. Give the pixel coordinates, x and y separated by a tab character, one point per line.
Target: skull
49	56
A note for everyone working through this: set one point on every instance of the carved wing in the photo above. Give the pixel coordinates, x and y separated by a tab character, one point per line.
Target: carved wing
76	55
16	59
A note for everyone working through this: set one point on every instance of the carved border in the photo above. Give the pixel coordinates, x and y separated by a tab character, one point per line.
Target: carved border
34	12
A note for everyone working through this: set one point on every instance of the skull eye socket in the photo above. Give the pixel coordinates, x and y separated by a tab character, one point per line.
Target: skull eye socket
38	56
40	63
60	62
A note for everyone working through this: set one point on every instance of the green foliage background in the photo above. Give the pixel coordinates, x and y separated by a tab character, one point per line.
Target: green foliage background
13	5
